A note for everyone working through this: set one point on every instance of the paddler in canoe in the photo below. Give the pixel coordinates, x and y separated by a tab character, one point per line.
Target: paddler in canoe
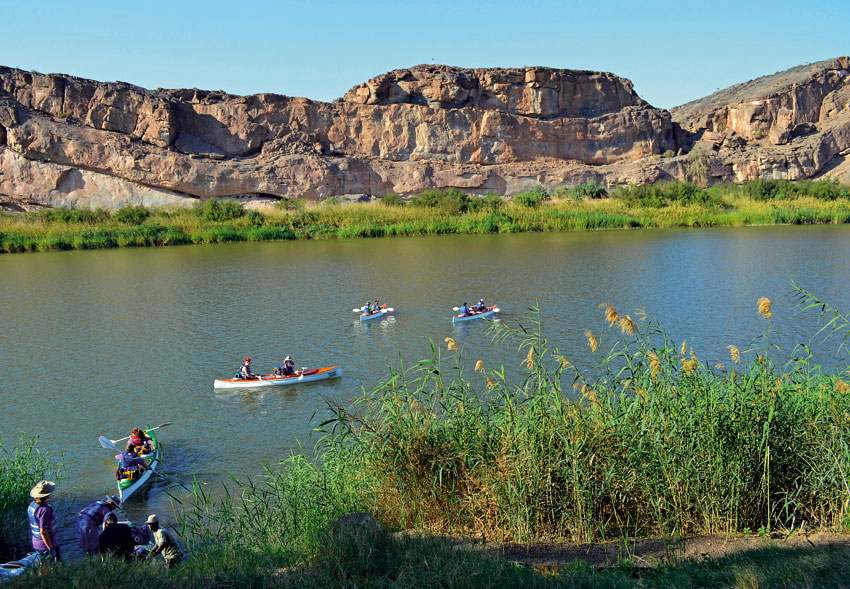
287	368
245	370
464	310
480	307
130	466
140	441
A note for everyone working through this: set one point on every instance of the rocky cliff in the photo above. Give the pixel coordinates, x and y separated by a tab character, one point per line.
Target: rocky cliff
67	141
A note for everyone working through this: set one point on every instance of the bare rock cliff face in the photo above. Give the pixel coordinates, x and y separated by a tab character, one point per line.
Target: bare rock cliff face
67	141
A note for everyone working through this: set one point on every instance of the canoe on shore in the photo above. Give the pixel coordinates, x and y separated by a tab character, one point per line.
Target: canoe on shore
272	380
127	487
489	312
19	567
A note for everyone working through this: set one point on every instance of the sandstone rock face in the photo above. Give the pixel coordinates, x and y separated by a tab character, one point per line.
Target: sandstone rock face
67	141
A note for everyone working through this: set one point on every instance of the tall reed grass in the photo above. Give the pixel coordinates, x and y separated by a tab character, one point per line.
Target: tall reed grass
434	212
22	465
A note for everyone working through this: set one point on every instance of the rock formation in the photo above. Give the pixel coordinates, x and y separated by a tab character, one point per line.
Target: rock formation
67	141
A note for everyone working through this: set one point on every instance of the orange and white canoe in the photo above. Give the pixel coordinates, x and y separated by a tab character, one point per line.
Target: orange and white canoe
271	380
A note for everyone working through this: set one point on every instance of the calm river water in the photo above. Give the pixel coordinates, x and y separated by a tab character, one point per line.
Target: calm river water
96	342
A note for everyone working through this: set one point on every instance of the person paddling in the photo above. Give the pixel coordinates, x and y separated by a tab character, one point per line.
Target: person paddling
42	521
245	371
288	366
464	310
140	441
480	307
90	519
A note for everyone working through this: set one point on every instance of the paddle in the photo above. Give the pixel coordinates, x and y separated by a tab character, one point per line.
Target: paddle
147	430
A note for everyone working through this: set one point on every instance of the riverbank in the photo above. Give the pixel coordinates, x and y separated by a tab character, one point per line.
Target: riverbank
650	442
585	207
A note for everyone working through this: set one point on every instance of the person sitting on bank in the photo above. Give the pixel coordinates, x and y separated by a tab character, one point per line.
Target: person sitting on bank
141	442
90	520
164	543
464	309
116	540
130	466
42	521
245	371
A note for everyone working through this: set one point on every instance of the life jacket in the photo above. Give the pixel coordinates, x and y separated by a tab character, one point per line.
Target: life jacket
93	509
127	467
141	445
34	529
464	310
289	367
243	372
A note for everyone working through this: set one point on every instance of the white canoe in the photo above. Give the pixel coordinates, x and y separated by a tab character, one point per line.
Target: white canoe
271	380
127	488
489	312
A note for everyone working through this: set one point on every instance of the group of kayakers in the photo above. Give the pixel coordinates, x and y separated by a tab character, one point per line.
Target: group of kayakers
287	369
130	462
372	308
465	310
98	530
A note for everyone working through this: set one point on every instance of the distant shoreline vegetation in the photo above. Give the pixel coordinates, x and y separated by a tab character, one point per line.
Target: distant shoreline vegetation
434	212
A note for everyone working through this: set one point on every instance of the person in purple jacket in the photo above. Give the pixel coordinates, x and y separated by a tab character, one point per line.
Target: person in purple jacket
90	520
42	521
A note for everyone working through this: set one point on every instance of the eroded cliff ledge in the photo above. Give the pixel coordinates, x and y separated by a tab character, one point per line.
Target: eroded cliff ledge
67	141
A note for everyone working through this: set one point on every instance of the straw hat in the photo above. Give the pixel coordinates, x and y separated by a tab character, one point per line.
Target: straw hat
42	489
152	519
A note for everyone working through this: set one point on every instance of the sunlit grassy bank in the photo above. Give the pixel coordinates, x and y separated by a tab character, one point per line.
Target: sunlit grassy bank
650	442
433	213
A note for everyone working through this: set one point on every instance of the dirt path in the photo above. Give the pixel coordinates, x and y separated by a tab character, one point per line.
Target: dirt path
651	552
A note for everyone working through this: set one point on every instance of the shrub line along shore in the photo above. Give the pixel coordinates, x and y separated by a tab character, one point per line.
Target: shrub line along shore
434	212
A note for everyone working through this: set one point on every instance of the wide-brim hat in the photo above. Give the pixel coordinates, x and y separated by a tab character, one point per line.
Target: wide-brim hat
42	489
287	358
152	519
115	499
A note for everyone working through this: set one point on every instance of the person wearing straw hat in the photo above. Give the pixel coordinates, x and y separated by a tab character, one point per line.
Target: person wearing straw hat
90	520
42	521
164	543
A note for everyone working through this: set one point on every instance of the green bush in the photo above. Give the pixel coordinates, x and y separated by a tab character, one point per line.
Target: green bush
219	210
532	198
292	204
392	200
256	218
131	215
589	189
663	194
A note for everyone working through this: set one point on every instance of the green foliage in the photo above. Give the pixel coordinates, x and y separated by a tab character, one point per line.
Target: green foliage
392	200
668	154
256	218
291	204
21	467
219	210
532	198
331	201
581	191
450	200
699	162
663	194
131	215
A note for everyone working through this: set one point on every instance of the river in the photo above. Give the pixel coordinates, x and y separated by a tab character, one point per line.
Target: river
95	342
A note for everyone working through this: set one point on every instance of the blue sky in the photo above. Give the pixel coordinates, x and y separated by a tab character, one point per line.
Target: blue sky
672	51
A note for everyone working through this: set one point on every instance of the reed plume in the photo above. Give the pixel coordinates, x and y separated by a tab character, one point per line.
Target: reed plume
451	343
611	316
563	361
764	308
735	354
479	366
529	360
684	349
842	387
591	340
627	325
655	364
